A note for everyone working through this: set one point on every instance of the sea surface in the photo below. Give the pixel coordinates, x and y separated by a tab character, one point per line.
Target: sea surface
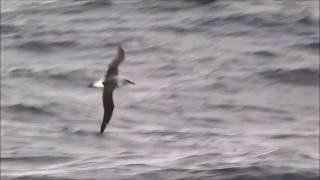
225	90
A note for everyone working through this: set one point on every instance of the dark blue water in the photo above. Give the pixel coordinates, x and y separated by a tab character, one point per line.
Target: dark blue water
226	90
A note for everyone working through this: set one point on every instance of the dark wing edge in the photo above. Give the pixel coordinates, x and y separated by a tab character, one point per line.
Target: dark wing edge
108	109
113	67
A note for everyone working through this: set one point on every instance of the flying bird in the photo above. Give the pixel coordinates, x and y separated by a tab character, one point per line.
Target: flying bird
110	83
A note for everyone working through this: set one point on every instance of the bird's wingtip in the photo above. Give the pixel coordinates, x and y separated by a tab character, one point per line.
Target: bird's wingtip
121	52
120	48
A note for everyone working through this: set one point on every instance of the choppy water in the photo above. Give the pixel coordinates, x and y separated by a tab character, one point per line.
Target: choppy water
225	90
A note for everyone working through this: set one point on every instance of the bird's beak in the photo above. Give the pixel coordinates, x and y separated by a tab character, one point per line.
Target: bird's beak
130	82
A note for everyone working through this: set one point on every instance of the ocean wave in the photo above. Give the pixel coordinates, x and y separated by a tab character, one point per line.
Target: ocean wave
36	178
56	7
312	46
179	175
45	46
301	76
201	2
234	107
276	176
7	29
84	5
249	19
96	3
224	173
25	108
35	158
293	136
236	173
307	20
178	29
265	54
73	77
260	20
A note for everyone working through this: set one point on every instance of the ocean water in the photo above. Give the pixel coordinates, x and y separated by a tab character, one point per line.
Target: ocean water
225	90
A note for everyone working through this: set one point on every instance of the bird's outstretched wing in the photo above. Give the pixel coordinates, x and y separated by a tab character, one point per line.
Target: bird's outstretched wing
108	109
113	66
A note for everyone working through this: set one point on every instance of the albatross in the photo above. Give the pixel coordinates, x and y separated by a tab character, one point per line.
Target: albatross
110	83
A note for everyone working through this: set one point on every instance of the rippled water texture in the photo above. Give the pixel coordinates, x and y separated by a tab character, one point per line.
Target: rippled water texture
225	90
